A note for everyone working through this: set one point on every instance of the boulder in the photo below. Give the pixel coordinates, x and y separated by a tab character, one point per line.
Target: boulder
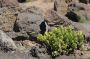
7	19
30	24
9	3
60	6
63	6
54	19
76	6
6	42
27	22
78	12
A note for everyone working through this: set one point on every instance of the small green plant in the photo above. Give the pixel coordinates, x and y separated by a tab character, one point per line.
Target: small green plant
63	40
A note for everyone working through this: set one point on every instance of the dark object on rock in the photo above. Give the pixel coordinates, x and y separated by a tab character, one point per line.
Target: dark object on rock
72	16
84	1
43	27
21	1
34	52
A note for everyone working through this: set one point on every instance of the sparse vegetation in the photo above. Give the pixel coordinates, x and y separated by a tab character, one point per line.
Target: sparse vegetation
63	40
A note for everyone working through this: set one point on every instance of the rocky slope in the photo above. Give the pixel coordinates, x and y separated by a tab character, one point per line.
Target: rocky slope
22	20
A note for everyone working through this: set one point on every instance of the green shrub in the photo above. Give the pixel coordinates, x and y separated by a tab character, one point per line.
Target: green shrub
63	40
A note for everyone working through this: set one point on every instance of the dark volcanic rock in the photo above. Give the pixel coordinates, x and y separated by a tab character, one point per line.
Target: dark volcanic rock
21	1
38	53
73	16
84	1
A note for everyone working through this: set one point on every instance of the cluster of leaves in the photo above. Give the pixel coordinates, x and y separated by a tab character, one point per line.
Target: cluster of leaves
63	40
